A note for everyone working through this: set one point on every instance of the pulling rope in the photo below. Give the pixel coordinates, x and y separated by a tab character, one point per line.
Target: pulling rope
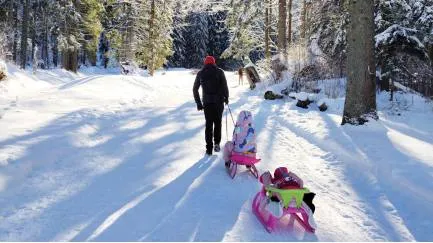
233	120
227	127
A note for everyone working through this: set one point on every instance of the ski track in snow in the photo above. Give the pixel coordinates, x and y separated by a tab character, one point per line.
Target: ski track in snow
96	157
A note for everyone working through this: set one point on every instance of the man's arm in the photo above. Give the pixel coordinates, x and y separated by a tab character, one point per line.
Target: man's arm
195	91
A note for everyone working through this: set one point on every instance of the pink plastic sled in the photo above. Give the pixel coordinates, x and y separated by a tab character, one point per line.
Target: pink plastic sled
290	212
239	159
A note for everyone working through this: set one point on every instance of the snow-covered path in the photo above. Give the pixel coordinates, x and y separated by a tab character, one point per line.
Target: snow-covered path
121	158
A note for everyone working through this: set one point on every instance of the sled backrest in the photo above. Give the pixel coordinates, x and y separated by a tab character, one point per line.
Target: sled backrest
244	135
288	194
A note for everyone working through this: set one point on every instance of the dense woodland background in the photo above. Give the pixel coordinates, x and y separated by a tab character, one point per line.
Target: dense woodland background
153	33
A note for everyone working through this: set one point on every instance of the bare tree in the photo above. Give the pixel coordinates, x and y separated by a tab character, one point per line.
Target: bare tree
282	16
289	21
360	101
24	31
267	28
304	19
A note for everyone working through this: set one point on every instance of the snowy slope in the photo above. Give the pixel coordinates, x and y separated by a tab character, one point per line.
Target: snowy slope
106	157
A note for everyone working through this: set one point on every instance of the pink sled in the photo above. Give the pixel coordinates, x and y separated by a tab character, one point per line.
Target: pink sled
240	159
290	214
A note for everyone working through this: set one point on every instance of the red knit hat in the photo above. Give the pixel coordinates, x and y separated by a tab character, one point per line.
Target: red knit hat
209	60
284	179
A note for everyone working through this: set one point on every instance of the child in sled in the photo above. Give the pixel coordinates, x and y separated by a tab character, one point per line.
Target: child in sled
285	179
244	139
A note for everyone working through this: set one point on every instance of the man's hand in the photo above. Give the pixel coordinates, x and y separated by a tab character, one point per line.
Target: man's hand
199	107
226	100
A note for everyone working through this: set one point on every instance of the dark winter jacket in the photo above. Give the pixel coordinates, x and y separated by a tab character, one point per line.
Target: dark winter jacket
214	86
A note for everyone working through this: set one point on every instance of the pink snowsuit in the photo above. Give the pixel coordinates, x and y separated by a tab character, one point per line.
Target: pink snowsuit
244	138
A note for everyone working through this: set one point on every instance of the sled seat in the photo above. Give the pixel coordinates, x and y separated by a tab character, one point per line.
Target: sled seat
241	159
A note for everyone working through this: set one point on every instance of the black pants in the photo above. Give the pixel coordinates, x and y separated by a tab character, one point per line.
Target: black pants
213	114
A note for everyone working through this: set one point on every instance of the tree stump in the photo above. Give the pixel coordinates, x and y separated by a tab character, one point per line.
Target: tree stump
2	75
323	107
3	72
269	95
303	103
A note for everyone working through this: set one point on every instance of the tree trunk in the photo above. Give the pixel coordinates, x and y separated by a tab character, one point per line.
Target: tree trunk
384	78
304	19
24	30
33	36
151	64
267	30
391	98
289	24
84	57
15	44
282	35
55	50
44	51
360	101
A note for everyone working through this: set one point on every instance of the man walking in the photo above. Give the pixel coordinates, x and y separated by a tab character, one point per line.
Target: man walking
215	93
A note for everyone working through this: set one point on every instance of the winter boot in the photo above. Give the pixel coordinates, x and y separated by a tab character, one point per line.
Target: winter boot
227	164
209	152
308	199
217	148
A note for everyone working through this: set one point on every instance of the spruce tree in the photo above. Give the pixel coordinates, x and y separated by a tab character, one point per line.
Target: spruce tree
91	11
179	42
155	42
197	39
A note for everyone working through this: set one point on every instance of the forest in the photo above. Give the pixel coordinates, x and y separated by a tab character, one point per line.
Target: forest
152	33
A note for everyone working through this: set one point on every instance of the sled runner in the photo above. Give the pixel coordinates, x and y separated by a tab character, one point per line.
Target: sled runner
238	159
293	207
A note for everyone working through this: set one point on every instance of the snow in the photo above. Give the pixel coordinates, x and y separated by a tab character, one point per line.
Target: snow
395	30
100	156
302	96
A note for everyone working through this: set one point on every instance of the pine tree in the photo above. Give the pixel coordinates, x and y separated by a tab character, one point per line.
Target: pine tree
246	28
197	39
116	19
8	25
178	36
219	39
155	28
328	29
70	35
90	11
402	41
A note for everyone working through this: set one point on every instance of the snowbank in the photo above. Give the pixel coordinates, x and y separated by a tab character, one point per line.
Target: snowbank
21	82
